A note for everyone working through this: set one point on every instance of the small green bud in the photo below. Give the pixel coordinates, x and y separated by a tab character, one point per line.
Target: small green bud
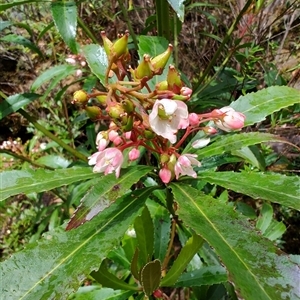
128	106
101	99
162	86
159	62
164	158
107	43
93	112
144	69
172	161
149	134
128	126
81	97
116	111
120	46
174	81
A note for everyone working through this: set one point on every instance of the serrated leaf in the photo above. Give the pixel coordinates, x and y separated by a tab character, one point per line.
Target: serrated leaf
266	186
107	279
256	106
204	276
257	268
186	254
150	277
61	72
143	226
97	60
64	14
20	40
236	141
36	181
178	6
6	6
104	193
55	266
15	102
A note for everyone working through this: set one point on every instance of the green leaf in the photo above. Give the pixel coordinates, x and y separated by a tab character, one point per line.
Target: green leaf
4	24
36	181
61	72
178	6
6	6
265	218
18	39
107	279
97	60
134	265
104	193
204	276
186	254
266	186
15	102
257	268
275	230
55	266
154	45
143	226
54	161
64	14
236	141
256	106
150	277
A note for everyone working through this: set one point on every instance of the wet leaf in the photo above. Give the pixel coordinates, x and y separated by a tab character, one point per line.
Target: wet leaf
64	15
56	265
258	269
266	186
104	193
150	277
256	106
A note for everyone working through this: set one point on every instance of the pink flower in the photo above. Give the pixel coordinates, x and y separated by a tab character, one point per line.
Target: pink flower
167	116
134	154
114	137
230	119
165	175
102	140
108	161
184	165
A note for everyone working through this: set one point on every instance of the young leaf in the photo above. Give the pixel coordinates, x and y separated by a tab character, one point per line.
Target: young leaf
36	181
104	193
250	259
186	254
55	266
150	277
15	102
64	14
256	106
143	226
266	186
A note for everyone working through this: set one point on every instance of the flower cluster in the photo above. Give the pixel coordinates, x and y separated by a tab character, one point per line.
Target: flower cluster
157	121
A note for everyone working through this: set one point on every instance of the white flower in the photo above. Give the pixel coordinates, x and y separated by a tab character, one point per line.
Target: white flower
167	116
184	165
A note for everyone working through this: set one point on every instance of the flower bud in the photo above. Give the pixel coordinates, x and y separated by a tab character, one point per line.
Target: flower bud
209	130
144	69
102	140
194	119
129	124
149	134
81	97
101	99
107	43
134	154
164	158
165	175
120	46
159	62
174	81
128	106
162	86
186	91
116	111
93	112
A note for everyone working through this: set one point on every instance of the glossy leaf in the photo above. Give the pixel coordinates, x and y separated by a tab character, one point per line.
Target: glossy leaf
186	254
36	181
107	279
143	226
266	186
228	143
204	276
150	277
258	269
20	40
13	103
64	15
178	6
97	60
256	106
61	72
55	266
104	193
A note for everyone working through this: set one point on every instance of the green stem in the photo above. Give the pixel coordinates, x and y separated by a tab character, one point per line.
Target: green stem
128	22
163	18
221	47
52	136
87	31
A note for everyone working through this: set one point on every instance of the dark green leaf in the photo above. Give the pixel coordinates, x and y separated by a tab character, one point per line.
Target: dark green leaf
257	268
104	193
36	181
65	18
55	266
15	102
150	277
186	254
256	106
107	279
143	226
134	265
18	39
266	186
204	276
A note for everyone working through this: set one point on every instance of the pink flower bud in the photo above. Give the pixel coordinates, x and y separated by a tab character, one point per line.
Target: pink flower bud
194	119
70	61
102	140
134	154
210	130
200	143
186	91
165	175
230	119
